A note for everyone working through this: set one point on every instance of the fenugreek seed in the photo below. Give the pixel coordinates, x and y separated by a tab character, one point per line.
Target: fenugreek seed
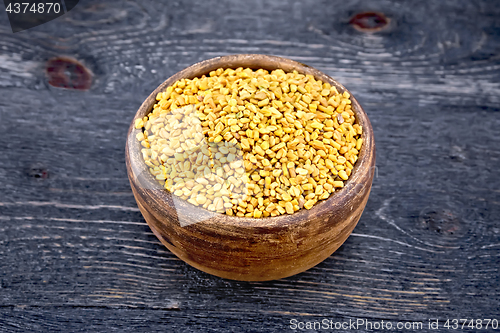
139	123
319	190
201	199
263	173
245	144
317	125
338	183
310	196
301	202
259	151
278	146
340	119
301	171
329	164
263	102
359	143
301	89
202	181
140	136
179	157
277	172
267	182
324	196
220	204
255	177
288	131
257	213
341	160
309	204
306	99
270	207
307	187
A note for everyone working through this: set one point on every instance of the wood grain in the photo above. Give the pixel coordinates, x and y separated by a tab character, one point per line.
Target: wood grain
76	255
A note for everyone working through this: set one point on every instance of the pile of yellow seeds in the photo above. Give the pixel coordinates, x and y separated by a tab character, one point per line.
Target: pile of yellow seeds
251	143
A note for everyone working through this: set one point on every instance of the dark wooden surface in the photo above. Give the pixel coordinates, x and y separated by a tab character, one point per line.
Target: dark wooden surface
76	254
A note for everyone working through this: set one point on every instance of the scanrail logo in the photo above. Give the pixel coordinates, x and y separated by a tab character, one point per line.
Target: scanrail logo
26	14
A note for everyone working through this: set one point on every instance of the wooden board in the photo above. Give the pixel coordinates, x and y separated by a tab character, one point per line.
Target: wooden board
76	254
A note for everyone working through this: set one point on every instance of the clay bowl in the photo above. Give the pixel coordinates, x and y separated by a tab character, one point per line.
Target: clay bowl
251	249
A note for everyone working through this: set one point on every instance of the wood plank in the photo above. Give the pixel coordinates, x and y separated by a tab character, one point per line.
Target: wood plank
76	254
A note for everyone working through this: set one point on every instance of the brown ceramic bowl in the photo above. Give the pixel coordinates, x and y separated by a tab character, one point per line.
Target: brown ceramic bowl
251	249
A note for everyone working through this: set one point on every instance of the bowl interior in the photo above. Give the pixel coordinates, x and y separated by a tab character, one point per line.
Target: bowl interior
359	180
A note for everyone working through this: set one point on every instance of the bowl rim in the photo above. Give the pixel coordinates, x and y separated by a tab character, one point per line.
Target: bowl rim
358	182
